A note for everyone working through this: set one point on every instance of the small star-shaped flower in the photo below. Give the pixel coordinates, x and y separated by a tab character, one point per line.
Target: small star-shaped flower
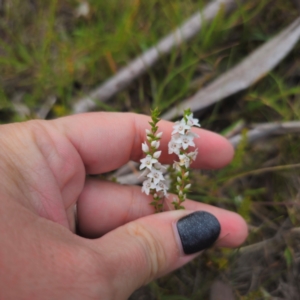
173	147
187	140
161	186
193	155
156	176
177	166
184	160
180	127
192	121
147	186
147	162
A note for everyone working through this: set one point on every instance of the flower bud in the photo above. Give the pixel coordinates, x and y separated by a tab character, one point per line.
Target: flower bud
159	135
157	154
187	186
178	179
145	147
154	144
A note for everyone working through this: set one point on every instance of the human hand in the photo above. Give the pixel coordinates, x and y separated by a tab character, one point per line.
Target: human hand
43	167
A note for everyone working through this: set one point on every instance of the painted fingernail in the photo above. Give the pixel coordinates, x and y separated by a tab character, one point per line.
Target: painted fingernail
198	231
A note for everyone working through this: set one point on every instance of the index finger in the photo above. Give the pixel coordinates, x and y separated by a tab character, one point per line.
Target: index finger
106	141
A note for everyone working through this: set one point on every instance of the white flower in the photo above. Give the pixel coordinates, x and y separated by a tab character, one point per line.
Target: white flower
147	162
148	131
159	135
177	138
177	166
156	176
187	186
173	147
162	187
191	121
193	155
157	154
155	144
147	186
180	127
187	140
184	160
145	147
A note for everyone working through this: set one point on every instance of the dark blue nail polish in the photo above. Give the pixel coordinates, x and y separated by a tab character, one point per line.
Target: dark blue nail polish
198	231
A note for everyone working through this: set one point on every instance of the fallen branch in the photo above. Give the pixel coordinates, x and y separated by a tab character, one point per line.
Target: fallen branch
246	73
141	64
261	131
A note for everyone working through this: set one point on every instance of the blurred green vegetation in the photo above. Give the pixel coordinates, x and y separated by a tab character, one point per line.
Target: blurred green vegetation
46	50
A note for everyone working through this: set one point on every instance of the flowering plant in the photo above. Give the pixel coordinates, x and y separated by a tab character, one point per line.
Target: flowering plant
181	139
155	183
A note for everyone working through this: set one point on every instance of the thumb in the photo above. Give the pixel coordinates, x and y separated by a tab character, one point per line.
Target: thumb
138	252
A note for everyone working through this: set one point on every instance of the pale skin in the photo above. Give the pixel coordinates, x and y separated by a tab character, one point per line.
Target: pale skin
43	167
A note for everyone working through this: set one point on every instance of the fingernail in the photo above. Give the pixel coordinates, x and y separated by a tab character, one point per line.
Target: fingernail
198	231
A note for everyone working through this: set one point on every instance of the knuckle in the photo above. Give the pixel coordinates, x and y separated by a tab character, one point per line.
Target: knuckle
151	248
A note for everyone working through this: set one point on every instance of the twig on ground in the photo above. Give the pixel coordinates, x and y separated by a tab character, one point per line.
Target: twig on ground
260	131
246	73
142	63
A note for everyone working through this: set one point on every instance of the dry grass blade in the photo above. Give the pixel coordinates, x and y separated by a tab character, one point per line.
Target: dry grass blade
142	63
249	71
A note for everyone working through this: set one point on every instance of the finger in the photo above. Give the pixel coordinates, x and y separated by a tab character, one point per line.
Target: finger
104	206
150	247
106	141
